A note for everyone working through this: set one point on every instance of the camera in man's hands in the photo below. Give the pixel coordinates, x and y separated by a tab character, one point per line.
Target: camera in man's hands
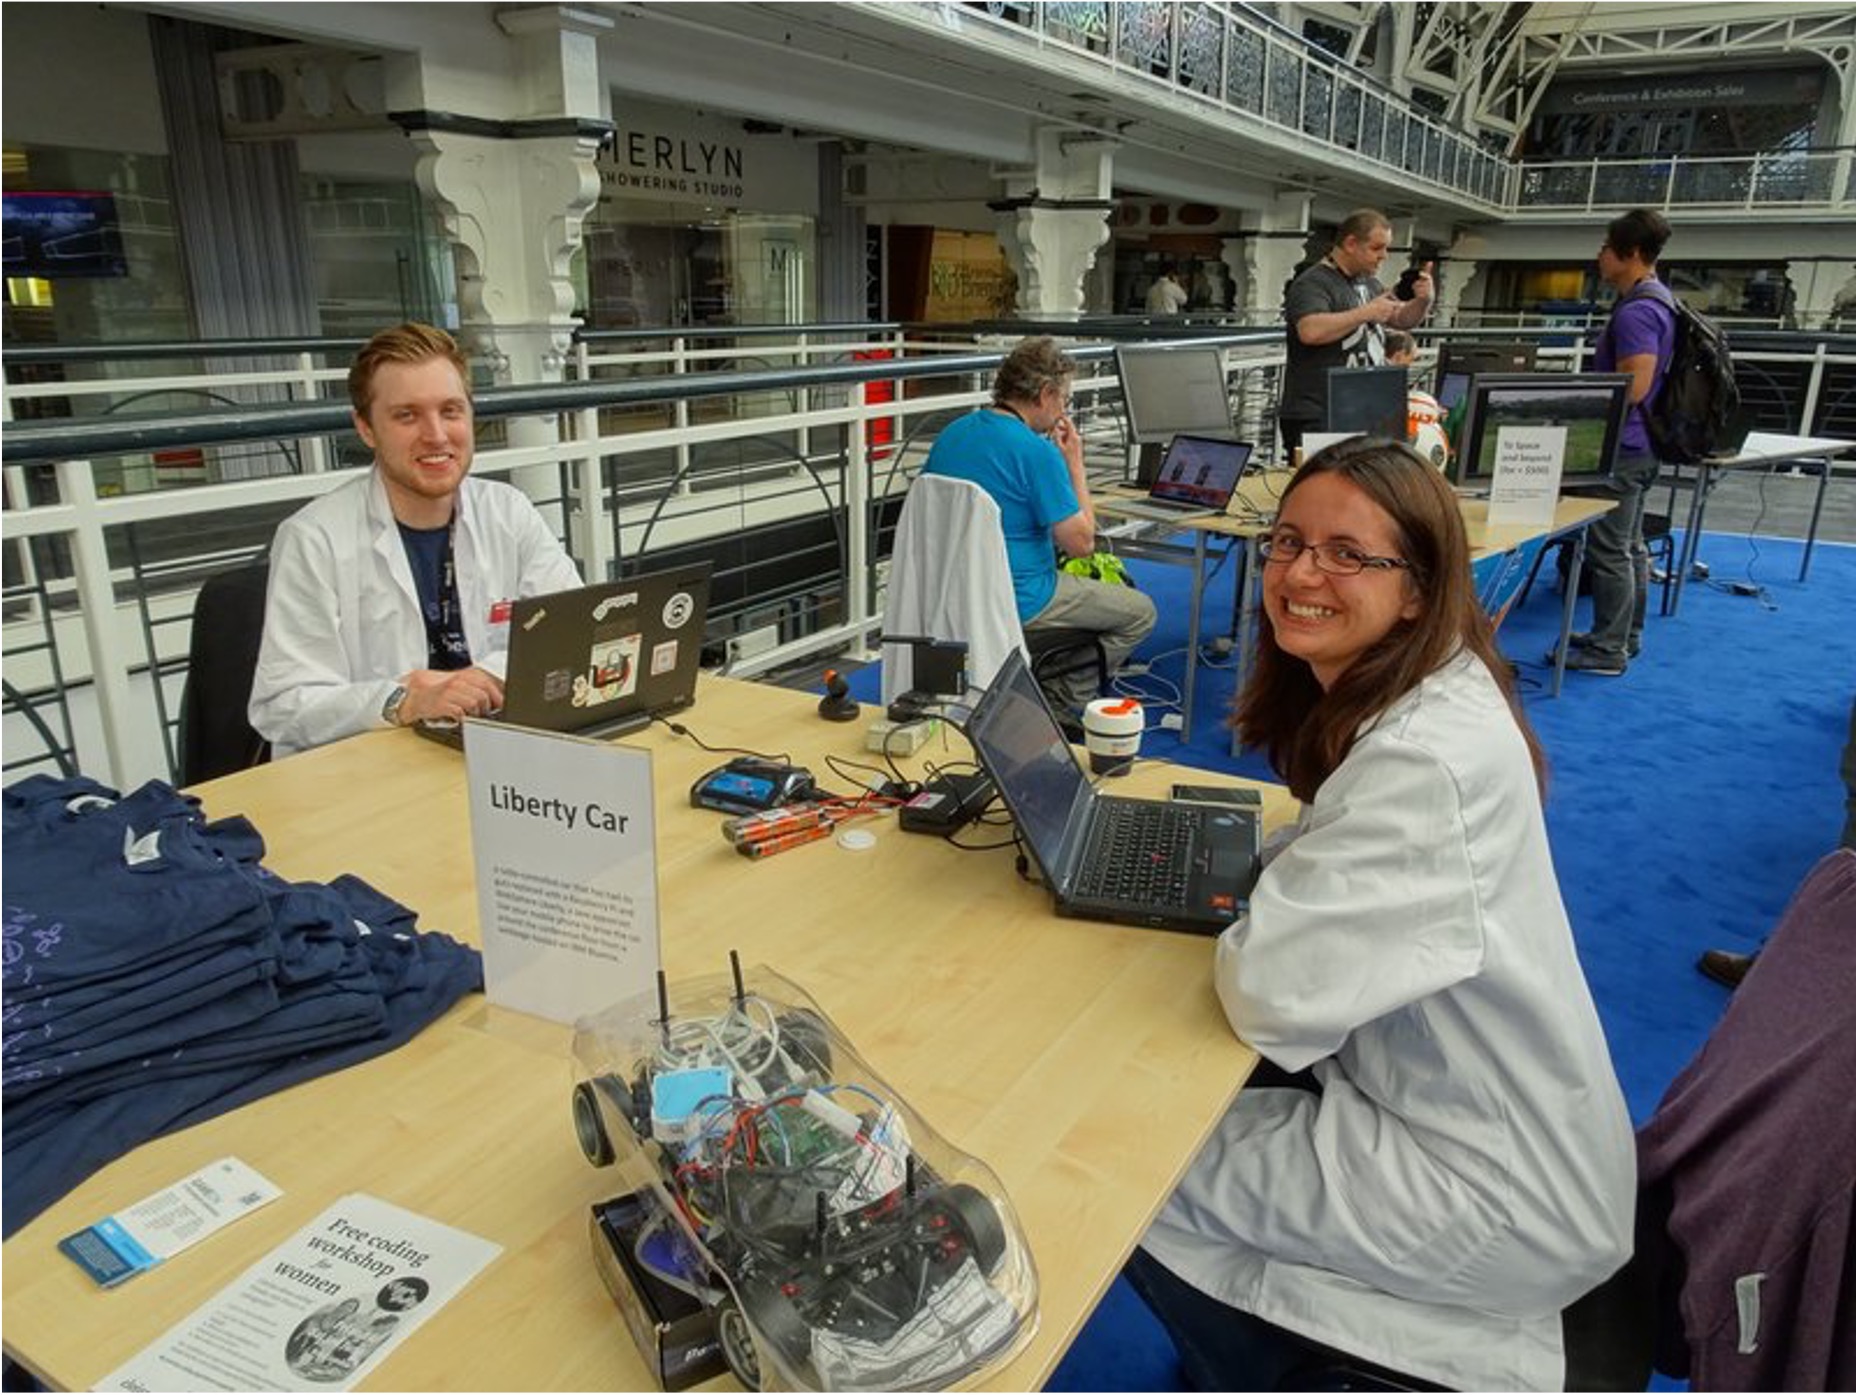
1407	286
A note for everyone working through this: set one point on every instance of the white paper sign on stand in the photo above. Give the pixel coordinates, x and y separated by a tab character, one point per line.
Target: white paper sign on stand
565	839
1313	441
1526	485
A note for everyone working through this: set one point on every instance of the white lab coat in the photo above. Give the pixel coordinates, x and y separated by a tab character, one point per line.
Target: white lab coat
342	621
1469	1169
949	579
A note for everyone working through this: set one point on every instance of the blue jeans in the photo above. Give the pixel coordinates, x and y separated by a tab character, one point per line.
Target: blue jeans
1619	561
1224	1348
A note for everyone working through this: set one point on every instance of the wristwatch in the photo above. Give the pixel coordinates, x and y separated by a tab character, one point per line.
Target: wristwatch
390	709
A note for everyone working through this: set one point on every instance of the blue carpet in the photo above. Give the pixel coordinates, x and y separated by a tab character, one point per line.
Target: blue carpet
1687	801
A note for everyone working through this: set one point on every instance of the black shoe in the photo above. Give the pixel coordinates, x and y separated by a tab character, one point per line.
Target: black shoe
1579	639
1592	661
1725	967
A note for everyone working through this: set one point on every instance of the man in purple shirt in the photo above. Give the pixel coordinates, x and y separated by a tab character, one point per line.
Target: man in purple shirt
1638	341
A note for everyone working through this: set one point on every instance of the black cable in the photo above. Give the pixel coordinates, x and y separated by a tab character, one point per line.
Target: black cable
678	729
841	766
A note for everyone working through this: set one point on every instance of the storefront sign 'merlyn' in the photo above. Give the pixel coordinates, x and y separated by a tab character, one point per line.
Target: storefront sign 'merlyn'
645	161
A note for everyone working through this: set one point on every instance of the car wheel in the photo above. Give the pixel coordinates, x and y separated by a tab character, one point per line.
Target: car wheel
980	1219
731	1329
589	1128
783	1332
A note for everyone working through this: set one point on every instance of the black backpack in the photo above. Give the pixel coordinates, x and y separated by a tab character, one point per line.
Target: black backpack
1699	398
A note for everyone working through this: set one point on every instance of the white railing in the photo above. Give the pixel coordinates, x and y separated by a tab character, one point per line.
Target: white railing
1800	180
628	492
631	482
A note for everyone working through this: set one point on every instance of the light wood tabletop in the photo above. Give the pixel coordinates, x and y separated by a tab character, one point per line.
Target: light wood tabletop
1084	1062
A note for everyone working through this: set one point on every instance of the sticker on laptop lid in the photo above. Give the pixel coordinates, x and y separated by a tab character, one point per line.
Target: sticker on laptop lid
678	610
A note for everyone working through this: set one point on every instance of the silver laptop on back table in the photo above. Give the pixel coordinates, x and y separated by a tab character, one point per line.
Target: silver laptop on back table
1198	475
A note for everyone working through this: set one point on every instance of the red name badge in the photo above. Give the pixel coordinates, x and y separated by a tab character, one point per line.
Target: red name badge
499	612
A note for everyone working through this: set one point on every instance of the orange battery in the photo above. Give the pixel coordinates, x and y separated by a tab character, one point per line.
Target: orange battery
772	823
767	847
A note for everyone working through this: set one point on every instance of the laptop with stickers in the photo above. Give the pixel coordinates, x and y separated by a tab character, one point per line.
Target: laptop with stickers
601	660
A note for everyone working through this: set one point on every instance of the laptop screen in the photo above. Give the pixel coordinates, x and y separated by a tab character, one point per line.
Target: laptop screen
1201	470
1021	746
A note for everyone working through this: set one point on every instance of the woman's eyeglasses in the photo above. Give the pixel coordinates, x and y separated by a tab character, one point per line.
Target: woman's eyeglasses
1336	559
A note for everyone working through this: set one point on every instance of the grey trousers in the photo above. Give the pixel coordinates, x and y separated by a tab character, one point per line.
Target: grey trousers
1619	561
1121	615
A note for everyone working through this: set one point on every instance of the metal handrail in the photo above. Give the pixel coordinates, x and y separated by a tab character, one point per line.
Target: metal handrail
33	442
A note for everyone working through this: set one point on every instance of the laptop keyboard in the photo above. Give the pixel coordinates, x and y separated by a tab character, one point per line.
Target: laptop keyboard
1139	851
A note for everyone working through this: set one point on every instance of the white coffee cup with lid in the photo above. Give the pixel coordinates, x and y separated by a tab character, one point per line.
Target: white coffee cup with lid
1112	730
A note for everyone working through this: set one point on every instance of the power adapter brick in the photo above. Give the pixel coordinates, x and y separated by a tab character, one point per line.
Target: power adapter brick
946	804
897	738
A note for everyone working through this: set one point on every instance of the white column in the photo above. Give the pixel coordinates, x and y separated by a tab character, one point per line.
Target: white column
1262	259
1454	276
1054	219
508	165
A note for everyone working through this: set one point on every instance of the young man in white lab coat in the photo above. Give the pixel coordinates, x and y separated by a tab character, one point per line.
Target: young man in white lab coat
389	597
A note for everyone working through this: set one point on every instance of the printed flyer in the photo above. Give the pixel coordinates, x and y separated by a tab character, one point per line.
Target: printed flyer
321	1310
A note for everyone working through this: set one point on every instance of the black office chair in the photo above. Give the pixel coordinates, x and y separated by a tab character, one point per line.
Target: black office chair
59	753
216	737
1056	654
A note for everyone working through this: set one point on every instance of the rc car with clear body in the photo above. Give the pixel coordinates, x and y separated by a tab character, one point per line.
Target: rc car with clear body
839	1242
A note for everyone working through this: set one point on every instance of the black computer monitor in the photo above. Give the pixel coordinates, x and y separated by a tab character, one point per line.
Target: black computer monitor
1590	406
1476	356
1173	390
1368	401
1452	388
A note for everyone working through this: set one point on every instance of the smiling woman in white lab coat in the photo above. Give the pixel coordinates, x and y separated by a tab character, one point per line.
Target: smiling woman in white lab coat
1452	1165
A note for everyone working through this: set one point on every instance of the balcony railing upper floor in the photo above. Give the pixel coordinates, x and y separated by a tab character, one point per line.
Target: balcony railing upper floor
1245	67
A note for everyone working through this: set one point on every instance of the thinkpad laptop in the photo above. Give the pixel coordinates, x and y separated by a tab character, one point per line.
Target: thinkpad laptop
600	660
1198	475
1176	865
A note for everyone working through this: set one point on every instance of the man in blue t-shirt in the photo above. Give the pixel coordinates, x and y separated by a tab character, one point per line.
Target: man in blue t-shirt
1637	341
1025	452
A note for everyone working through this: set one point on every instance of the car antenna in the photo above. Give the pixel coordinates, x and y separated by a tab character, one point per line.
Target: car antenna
741	993
663	1007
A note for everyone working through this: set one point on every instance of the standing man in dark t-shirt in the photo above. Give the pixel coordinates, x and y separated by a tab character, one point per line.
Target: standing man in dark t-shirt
1638	341
1337	312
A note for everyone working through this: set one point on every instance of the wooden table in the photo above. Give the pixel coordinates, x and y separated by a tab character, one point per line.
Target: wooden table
1252	513
1084	1062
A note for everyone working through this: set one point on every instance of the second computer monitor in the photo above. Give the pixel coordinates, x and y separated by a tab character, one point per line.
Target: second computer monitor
1173	390
1368	401
1590	406
1457	362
